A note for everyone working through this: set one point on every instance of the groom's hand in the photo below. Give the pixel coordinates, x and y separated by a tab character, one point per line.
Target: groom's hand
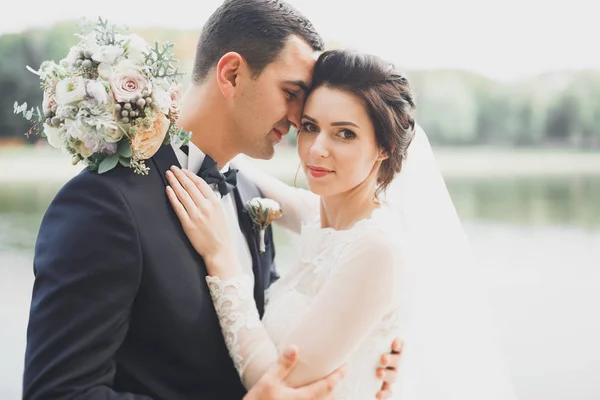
272	385
388	371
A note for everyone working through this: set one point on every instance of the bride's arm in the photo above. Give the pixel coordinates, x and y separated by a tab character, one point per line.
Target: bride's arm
298	204
356	295
353	299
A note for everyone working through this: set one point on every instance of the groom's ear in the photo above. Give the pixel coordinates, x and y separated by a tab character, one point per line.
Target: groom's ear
229	68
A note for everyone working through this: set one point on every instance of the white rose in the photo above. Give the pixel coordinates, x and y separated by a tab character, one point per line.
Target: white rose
74	55
97	91
55	136
162	99
107	54
136	46
105	71
70	90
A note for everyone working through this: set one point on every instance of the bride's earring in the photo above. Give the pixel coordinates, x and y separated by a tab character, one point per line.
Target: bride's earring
296	174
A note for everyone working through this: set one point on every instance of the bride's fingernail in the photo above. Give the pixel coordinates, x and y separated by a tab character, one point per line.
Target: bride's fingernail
169	174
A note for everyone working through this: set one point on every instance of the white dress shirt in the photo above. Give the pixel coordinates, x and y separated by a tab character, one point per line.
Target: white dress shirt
193	161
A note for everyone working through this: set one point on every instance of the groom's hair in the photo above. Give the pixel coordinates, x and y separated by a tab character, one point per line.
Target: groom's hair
256	29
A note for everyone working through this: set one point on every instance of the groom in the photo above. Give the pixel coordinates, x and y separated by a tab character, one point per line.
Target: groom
120	308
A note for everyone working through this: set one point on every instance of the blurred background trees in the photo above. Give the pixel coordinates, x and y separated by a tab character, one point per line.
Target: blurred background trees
456	108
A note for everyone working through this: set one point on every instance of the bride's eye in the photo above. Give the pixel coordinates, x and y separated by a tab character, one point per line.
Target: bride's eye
309	127
346	134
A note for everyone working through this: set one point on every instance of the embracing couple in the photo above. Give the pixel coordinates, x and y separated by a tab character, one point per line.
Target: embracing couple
162	288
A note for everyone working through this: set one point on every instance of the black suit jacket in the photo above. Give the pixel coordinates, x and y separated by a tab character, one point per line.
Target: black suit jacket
120	307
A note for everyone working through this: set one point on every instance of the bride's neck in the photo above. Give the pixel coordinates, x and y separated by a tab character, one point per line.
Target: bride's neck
342	211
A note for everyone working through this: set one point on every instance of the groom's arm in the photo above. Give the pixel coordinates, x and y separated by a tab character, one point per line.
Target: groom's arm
87	268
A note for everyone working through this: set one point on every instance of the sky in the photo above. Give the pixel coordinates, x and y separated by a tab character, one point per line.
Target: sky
504	39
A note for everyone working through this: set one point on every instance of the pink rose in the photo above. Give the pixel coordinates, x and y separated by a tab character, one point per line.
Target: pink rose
175	108
127	82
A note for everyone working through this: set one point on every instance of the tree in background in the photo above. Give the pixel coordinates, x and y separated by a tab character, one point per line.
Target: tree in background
455	107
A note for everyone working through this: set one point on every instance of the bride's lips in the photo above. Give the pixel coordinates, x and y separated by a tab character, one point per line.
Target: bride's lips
318	172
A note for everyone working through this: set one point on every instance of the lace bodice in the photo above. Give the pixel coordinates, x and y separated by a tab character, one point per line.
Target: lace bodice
340	303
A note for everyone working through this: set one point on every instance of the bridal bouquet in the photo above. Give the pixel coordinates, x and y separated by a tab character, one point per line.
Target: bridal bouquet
113	100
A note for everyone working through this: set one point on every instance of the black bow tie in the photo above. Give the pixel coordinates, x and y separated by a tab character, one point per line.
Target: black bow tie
209	171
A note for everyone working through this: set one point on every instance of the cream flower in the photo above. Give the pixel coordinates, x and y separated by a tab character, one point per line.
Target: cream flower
136	47
70	90
84	151
149	137
162	99
97	91
107	54
127	82
55	136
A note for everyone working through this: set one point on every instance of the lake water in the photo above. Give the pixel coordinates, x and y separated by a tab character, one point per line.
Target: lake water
538	240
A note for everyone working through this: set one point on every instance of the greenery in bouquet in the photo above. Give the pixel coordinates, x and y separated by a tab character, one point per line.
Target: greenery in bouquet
114	99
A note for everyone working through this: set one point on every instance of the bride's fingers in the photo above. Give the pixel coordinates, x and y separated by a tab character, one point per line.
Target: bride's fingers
184	197
189	186
202	186
177	206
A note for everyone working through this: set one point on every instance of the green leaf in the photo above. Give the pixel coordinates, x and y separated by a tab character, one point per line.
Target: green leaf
108	163
124	149
124	162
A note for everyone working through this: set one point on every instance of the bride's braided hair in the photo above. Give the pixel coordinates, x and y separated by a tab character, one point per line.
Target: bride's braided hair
387	97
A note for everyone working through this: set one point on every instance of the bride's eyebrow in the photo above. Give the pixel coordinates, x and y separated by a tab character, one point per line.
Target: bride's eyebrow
310	119
343	123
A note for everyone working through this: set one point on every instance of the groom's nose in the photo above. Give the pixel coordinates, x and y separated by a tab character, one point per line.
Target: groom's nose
294	114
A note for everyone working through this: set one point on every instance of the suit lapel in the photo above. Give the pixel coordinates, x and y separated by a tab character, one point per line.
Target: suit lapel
163	159
247	227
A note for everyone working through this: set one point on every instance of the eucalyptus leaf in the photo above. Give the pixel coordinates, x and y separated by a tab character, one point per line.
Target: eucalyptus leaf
108	163
124	149
124	162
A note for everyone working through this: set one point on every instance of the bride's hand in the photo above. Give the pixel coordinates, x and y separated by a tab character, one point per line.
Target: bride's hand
203	220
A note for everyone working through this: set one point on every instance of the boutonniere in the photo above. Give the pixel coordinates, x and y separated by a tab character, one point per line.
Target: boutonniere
262	212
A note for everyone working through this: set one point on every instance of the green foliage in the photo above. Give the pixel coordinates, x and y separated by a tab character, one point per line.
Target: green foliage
454	107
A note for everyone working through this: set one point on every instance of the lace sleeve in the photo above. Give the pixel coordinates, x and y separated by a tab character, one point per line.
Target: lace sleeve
352	301
240	323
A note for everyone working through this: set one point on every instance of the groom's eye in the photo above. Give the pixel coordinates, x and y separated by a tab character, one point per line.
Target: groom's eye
290	94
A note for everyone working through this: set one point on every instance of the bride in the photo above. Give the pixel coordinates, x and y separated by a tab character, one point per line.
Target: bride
382	252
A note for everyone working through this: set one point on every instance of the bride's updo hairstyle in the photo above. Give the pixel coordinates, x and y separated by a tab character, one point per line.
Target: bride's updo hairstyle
386	95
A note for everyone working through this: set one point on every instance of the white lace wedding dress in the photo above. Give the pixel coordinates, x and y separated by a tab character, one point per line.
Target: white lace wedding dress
338	304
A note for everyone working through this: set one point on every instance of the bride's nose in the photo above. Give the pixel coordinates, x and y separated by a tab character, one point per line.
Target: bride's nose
319	148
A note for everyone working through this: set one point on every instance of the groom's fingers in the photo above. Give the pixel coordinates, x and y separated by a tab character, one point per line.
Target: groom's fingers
387	375
323	388
285	363
384	393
